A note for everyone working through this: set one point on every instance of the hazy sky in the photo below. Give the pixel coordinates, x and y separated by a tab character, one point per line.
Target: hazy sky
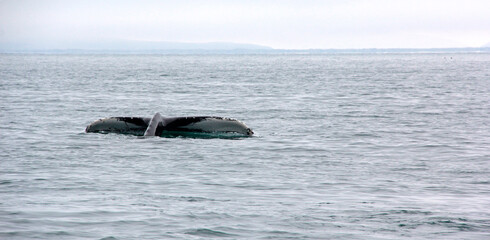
283	24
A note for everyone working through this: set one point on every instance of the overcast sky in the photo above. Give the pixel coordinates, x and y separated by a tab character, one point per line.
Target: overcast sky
285	24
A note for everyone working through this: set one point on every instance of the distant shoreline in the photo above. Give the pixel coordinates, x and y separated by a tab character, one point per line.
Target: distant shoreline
247	51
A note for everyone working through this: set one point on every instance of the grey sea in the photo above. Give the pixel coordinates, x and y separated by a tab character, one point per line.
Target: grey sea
346	146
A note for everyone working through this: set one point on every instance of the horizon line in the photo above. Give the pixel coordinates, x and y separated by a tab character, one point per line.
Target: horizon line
251	50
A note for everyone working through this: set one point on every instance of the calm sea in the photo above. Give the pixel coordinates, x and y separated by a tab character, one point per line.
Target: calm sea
347	146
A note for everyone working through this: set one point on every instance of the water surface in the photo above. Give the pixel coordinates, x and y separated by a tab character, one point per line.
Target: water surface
347	146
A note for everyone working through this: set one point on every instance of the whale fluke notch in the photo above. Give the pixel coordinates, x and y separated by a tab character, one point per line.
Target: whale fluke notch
156	120
194	126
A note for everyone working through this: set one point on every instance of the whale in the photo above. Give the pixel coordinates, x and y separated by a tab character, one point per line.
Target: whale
193	126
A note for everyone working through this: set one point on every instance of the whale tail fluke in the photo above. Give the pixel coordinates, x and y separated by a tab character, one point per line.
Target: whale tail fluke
153	125
196	127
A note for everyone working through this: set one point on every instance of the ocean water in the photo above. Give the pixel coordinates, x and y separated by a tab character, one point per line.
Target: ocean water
347	146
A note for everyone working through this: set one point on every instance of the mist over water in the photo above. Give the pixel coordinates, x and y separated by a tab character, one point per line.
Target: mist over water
347	146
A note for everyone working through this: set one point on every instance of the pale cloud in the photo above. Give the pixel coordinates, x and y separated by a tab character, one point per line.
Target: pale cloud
279	24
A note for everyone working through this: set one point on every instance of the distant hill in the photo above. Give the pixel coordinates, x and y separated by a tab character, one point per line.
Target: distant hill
143	45
147	47
128	46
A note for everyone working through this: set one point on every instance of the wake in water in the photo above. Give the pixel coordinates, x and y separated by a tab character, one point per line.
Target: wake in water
195	127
